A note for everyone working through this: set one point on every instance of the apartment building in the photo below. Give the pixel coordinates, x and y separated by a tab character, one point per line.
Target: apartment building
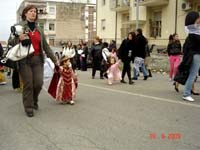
64	20
157	18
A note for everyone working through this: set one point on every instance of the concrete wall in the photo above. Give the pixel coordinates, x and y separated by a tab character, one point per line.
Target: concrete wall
68	22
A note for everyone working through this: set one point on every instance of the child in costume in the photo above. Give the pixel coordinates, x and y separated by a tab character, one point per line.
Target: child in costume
113	72
67	84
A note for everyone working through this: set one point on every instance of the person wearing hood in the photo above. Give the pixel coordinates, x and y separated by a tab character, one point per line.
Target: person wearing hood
192	23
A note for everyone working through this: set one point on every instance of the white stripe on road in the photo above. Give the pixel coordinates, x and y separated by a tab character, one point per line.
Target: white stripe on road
142	95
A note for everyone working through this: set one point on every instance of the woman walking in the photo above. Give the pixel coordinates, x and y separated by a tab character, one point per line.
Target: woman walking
174	52
192	23
125	53
31	67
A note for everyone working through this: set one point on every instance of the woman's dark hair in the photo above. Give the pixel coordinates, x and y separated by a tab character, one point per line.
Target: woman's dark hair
105	45
139	31
26	9
171	38
191	17
113	41
177	41
132	34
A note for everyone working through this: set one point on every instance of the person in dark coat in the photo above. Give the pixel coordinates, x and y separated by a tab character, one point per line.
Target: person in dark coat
125	53
112	45
96	52
83	57
192	23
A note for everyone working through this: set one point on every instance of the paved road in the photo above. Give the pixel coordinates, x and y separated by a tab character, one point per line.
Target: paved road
148	115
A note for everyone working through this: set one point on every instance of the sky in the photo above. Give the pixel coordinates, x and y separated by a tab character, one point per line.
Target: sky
8	10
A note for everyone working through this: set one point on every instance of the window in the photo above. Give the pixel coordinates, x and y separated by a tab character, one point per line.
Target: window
86	8
103	24
198	8
40	11
51	42
94	26
41	25
94	15
51	27
52	10
103	2
156	25
126	2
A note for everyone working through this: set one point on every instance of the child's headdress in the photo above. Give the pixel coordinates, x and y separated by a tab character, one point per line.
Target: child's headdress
63	59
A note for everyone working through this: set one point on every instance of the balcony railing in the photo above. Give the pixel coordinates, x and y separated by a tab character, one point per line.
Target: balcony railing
150	3
47	32
120	5
46	16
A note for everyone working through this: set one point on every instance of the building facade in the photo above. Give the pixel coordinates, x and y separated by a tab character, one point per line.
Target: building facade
157	18
64	20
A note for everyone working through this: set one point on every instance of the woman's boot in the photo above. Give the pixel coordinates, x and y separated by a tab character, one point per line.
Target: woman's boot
150	74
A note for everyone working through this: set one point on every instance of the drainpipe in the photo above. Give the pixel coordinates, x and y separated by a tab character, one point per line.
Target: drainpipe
116	26
116	2
176	12
137	14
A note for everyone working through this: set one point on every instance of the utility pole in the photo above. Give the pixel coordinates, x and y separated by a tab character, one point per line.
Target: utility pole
137	14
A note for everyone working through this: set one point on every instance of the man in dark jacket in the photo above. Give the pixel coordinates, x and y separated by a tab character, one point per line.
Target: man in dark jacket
140	44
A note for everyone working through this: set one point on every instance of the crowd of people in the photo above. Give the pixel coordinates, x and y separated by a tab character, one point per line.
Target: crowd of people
106	58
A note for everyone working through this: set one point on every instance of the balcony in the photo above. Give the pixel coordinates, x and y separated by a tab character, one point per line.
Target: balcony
42	15
142	14
49	33
151	3
46	16
120	5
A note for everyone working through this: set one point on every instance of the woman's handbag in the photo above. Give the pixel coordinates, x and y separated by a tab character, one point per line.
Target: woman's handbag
181	76
19	52
8	63
14	54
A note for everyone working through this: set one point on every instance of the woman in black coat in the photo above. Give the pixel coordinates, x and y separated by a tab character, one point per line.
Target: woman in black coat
125	53
192	23
96	52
